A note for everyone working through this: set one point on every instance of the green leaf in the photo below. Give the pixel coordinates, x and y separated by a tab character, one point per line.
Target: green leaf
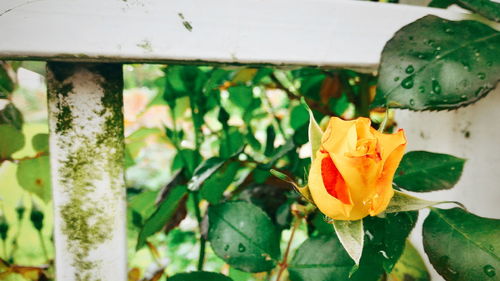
199	275
436	64
214	187
441	3
321	258
11	141
422	171
410	266
203	171
270	137
165	211
34	176
7	85
315	132
230	143
241	96
462	246
299	116
351	235
488	9
385	239
10	115
243	235
40	142
303	190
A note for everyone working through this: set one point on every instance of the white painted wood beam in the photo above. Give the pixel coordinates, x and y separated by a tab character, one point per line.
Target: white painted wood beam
86	157
328	33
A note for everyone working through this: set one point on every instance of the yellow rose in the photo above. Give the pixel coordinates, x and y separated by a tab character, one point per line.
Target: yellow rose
351	176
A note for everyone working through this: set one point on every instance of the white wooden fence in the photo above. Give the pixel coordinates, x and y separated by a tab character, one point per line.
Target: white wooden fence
89	206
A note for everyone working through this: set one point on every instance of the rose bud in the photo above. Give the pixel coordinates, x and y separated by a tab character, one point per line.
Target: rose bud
351	176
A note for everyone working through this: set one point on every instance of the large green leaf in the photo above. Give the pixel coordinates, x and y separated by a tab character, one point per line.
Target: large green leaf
199	275
162	215
34	176
462	246
323	258
487	8
385	238
410	266
11	141
423	171
243	235
435	64
12	116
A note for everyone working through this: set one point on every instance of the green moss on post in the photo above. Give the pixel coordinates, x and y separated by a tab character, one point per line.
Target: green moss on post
87	150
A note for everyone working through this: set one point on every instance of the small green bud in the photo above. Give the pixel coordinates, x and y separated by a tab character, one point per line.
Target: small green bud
36	217
20	209
4	227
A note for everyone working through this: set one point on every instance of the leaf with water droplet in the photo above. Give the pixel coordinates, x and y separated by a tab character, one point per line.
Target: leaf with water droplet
489	270
244	236
459	243
407	83
410	69
439	68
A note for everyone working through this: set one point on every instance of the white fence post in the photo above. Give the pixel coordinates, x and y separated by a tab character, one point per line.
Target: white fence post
86	154
472	133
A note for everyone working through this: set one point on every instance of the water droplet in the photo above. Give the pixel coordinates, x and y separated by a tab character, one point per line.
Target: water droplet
453	168
481	75
489	270
477	54
369	234
396	78
407	83
438	48
226	247
452	271
436	87
412	102
410	69
421	89
241	248
463	97
384	254
421	56
448	30
438	57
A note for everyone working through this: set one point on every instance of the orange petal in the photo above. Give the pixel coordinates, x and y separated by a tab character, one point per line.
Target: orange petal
328	204
333	181
384	182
